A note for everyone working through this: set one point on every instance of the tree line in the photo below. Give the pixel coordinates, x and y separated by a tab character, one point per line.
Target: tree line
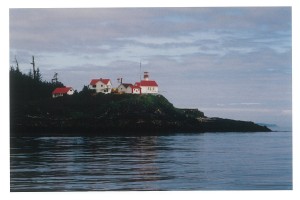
27	87
31	86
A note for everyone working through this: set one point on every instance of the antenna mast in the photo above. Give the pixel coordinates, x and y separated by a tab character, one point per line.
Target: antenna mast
54	79
140	70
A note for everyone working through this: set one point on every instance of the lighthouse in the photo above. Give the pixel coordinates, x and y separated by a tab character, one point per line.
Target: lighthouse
146	76
147	86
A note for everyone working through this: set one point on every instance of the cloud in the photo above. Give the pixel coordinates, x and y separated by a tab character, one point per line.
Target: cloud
244	104
201	57
66	28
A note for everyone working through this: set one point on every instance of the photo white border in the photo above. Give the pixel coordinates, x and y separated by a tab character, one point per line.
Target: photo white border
4	61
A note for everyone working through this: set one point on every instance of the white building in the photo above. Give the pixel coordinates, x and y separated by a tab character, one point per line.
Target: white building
128	88
147	86
125	88
101	85
62	91
135	89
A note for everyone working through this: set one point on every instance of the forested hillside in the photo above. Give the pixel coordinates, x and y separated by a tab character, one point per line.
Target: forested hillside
34	111
26	87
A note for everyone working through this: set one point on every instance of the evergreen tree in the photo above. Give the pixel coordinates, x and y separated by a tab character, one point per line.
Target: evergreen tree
23	87
30	74
38	76
17	65
86	91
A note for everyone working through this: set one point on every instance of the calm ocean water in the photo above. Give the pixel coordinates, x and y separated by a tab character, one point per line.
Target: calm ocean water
210	161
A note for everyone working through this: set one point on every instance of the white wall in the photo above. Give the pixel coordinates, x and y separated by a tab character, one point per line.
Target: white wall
122	89
149	90
100	87
70	92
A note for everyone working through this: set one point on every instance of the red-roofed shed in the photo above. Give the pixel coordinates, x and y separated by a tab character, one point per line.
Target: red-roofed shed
61	91
135	89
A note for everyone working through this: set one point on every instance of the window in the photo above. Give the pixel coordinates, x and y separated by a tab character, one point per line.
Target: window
94	86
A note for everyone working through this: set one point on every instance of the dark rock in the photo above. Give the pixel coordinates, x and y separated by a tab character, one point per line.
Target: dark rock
118	114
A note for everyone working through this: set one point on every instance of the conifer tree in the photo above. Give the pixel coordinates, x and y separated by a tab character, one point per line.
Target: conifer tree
30	74
38	76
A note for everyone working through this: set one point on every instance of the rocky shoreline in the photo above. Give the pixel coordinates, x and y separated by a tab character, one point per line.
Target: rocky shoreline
71	127
119	115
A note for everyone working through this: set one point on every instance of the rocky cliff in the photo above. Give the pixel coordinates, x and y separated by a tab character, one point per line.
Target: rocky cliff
116	114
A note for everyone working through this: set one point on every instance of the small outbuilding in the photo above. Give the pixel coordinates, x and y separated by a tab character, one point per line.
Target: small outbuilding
125	88
135	89
62	91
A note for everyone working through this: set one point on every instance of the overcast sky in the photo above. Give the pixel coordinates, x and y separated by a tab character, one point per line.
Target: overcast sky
228	62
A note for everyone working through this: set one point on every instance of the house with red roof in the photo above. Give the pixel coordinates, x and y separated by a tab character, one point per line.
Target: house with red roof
135	89
101	85
147	86
62	91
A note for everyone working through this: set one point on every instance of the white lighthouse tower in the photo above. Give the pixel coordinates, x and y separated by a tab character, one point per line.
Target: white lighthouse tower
147	86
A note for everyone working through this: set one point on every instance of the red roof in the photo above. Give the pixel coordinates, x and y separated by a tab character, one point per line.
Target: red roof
61	90
135	87
103	80
94	81
146	83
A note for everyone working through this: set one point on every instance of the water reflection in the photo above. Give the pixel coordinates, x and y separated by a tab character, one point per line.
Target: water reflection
178	162
77	160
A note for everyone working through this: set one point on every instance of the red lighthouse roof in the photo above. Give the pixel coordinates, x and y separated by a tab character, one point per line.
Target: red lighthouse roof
146	83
